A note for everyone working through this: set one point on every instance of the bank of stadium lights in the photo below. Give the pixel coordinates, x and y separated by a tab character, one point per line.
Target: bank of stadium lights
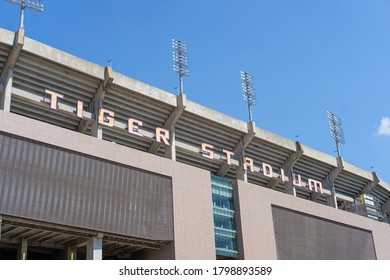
336	131
180	58
27	4
249	92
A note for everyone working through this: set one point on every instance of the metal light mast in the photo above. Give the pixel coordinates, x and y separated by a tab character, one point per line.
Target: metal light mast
181	60
249	92
336	131
36	5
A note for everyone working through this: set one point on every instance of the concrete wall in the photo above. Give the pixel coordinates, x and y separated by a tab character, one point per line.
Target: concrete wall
257	231
192	199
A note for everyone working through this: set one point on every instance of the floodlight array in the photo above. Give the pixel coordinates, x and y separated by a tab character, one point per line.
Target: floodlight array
180	57
247	87
29	4
336	131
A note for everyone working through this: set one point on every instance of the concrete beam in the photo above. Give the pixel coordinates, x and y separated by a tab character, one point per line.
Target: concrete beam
7	74
287	166
335	171
328	183
372	184
78	243
386	206
239	149
344	198
104	85
14	54
5	98
95	248
97	99
169	124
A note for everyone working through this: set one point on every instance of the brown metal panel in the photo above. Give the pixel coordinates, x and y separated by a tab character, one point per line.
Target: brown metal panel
46	183
300	236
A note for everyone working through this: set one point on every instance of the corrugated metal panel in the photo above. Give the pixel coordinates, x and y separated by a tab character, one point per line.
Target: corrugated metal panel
49	184
300	236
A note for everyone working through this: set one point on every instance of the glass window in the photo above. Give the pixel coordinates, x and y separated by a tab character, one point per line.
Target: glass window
224	225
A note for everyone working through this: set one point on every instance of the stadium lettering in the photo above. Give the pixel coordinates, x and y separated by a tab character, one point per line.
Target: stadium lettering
107	118
247	163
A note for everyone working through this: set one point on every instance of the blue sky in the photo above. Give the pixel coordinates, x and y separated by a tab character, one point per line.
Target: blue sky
306	56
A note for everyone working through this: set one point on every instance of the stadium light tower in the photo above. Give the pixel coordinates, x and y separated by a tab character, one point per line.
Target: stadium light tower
336	131
36	5
181	60
249	92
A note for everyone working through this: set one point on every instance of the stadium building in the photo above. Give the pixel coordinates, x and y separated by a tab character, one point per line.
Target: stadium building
97	165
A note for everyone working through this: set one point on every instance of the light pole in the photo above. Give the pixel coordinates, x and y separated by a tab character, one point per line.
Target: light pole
36	5
181	60
249	92
336	131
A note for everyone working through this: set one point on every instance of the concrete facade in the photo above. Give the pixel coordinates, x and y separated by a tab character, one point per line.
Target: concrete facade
31	69
257	235
193	218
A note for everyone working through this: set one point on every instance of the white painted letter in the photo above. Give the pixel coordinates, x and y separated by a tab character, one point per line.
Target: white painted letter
315	185
53	98
133	125
229	155
207	151
162	134
106	117
296	179
248	162
267	170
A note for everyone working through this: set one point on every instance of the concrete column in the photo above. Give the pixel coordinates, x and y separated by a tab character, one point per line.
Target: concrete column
332	199
97	129
22	250
240	172
329	183
238	221
386	207
290	188
5	103
71	254
95	248
1	223
170	151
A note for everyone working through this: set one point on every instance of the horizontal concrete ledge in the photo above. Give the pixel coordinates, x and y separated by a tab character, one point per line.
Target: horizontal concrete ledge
320	156
144	89
96	71
358	171
275	139
215	116
6	37
384	184
63	58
